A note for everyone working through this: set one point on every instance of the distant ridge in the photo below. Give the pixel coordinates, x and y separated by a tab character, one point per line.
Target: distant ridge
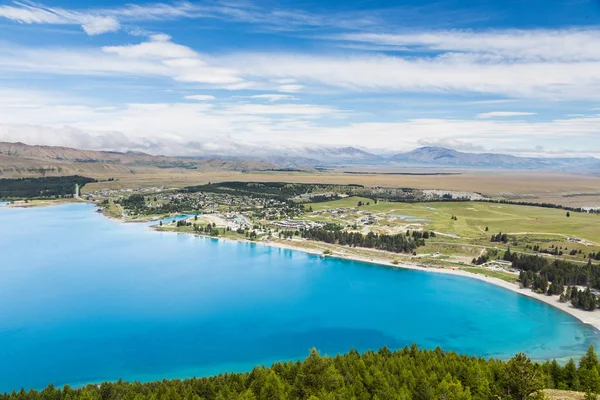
22	159
19	159
442	156
425	157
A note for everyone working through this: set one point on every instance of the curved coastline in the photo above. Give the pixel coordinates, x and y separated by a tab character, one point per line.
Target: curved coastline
590	318
304	300
586	317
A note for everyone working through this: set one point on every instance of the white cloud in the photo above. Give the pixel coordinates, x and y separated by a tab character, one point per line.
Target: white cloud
156	57
242	86
289	73
95	21
184	63
460	145
565	45
273	97
200	97
280	109
289	88
159	47
381	73
29	14
494	114
98	25
167	128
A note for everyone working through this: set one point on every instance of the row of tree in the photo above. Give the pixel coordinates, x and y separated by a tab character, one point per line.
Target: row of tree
54	186
399	243
278	190
569	273
583	299
545	205
410	373
551	276
500	238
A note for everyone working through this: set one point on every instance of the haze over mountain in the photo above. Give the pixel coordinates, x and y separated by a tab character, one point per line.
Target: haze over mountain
447	157
18	159
22	159
428	156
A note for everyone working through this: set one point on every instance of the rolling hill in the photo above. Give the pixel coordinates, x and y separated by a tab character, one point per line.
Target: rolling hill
18	159
440	156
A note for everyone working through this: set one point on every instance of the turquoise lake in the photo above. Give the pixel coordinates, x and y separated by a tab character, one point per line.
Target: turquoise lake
86	299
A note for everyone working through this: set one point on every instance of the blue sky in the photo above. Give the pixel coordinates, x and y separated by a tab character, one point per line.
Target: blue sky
221	77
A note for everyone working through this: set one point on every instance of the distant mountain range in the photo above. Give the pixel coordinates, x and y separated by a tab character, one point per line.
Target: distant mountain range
18	159
440	156
423	157
21	159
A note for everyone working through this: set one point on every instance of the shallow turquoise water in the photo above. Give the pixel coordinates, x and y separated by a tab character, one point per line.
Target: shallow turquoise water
85	299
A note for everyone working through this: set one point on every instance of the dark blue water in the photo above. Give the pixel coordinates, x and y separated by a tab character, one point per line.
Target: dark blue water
85	299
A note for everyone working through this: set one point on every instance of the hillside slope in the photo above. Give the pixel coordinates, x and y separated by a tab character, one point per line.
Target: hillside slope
440	156
18	159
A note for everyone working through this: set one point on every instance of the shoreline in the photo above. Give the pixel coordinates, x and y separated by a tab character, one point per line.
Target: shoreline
587	317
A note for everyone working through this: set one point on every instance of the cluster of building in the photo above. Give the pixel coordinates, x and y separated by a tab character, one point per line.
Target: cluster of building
296	224
113	193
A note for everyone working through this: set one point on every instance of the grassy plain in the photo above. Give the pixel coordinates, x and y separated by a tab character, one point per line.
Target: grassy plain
474	217
458	241
559	188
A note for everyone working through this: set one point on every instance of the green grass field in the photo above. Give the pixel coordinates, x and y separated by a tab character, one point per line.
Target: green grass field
474	217
494	274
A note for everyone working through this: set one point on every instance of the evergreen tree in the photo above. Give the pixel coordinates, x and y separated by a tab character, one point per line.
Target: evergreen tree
523	379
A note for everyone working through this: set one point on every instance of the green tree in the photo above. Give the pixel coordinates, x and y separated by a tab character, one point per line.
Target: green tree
451	389
315	374
273	388
589	360
571	379
523	378
423	390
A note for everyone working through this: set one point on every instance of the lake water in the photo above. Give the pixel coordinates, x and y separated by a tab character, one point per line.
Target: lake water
86	299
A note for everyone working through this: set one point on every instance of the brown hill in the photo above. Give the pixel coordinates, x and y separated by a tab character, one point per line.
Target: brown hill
19	159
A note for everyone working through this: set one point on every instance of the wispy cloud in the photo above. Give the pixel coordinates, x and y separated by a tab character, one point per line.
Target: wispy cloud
91	23
494	114
291	73
273	97
566	45
297	95
38	117
279	109
158	56
200	97
382	73
100	20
